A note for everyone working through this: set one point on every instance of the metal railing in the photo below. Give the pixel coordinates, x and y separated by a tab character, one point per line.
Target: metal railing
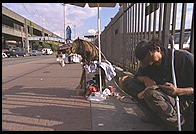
136	21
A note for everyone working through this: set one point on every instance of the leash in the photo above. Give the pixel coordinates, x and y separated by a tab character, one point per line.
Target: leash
134	101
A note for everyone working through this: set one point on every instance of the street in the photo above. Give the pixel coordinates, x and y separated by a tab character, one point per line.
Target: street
39	95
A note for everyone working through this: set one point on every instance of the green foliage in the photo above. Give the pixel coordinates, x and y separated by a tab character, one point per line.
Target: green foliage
45	45
54	46
34	45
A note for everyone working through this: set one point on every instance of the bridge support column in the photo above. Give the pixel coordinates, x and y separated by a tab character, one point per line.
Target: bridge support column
26	37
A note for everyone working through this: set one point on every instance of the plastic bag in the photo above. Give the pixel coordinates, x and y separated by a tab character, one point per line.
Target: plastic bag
97	96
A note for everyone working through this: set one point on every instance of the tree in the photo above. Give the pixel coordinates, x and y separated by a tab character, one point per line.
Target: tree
45	45
35	45
54	46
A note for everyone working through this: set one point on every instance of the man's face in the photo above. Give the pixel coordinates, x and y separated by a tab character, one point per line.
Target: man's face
152	58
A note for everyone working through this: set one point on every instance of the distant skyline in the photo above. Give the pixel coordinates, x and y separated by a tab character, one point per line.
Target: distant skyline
83	21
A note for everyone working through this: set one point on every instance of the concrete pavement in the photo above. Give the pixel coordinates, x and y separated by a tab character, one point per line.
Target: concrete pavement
41	96
120	113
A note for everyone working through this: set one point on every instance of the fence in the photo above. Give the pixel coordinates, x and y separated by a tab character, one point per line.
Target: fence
136	21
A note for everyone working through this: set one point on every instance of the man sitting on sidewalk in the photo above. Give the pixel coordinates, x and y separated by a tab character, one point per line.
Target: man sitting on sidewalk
152	84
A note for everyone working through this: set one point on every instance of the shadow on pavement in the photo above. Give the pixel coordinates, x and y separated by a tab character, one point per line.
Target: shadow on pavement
44	109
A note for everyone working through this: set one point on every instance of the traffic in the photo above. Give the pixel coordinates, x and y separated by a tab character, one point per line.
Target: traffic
16	52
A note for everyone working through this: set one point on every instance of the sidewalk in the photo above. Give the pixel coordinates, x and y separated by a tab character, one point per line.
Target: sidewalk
115	114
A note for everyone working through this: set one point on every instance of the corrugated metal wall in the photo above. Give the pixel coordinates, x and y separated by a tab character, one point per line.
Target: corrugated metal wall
136	21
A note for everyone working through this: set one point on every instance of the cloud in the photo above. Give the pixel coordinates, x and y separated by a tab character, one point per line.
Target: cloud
78	16
92	31
50	15
188	19
58	33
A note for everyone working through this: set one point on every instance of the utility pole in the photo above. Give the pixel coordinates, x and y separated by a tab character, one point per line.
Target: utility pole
74	31
64	20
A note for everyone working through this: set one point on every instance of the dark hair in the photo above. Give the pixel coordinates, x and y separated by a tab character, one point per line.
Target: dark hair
155	42
144	46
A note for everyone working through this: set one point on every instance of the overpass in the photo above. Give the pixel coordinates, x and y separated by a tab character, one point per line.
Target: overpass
16	28
46	38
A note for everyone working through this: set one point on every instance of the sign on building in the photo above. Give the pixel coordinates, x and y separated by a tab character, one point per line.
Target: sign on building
68	33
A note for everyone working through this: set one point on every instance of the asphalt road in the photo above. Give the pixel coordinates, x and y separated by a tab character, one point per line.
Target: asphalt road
21	59
39	95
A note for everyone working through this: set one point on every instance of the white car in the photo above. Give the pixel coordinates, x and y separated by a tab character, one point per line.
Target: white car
47	51
4	55
186	42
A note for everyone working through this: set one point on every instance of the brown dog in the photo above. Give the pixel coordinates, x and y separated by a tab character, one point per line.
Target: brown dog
121	80
125	80
88	52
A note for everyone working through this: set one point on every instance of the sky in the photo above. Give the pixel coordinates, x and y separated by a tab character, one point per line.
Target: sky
83	21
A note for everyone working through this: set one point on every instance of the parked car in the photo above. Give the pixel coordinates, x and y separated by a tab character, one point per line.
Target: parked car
35	53
47	51
186	42
11	53
3	50
21	53
4	55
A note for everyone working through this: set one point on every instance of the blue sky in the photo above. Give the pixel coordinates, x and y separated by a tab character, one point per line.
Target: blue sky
83	21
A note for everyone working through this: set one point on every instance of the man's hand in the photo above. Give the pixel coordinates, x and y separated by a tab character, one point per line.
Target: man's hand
169	88
146	80
172	90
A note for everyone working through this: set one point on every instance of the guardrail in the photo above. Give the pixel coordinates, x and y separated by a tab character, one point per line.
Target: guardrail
136	21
